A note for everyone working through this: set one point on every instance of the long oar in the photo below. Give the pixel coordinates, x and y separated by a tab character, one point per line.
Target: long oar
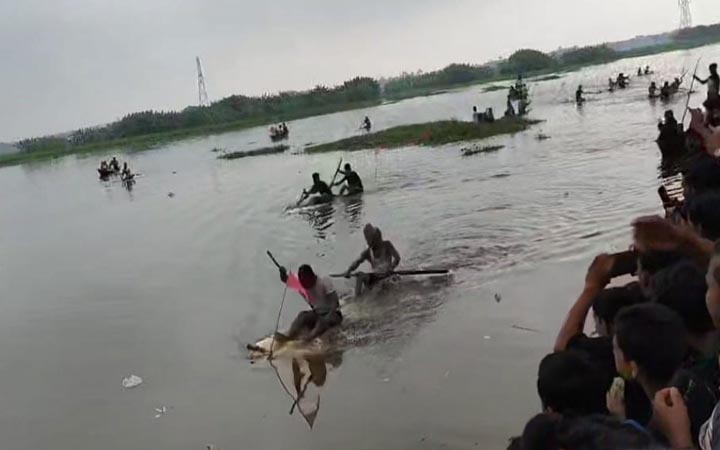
282	303
401	272
336	173
687	103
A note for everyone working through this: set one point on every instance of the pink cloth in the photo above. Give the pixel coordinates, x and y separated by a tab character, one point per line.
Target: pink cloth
293	282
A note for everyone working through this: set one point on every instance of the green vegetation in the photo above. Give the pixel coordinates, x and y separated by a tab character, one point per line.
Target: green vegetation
528	61
427	134
589	55
410	85
495	87
260	151
54	147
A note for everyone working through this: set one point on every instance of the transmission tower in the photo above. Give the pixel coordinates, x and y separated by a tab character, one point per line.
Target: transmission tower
202	91
685	15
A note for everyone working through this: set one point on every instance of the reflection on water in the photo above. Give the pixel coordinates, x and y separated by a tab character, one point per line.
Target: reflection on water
353	209
307	374
320	218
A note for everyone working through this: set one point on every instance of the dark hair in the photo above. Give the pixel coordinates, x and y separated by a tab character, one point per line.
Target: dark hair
596	432
682	288
611	300
316	175
305	271
703	175
653	336
347	166
653	261
570	384
704	210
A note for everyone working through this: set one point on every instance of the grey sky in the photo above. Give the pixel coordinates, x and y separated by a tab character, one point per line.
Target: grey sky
73	63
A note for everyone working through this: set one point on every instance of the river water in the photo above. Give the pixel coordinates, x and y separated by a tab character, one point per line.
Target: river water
170	280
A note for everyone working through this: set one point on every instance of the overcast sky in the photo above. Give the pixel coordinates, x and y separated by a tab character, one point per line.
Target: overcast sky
73	63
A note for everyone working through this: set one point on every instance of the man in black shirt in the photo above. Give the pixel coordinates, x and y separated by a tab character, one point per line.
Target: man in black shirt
354	183
319	187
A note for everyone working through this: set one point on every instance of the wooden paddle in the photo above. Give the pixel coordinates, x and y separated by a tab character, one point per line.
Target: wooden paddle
336	173
398	272
687	103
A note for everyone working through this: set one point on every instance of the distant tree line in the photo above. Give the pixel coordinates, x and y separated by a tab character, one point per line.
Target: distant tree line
453	74
287	105
235	108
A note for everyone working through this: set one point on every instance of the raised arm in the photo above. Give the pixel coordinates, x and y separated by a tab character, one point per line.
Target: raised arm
598	276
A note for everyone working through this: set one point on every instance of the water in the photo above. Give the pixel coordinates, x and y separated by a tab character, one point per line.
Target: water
100	282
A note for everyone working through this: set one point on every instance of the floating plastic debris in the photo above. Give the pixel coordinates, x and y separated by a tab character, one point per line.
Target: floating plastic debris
132	381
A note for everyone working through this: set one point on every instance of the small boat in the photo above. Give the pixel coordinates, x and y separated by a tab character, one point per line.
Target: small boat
279	135
104	173
318	200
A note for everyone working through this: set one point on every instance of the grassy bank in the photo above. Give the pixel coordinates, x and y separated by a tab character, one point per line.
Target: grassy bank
145	142
258	152
427	134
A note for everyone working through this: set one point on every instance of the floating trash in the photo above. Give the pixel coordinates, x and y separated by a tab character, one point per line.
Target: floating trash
131	381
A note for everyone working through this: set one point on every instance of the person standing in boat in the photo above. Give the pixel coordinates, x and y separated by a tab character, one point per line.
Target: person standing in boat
640	71
579	95
382	256
713	86
366	125
323	299
354	183
126	174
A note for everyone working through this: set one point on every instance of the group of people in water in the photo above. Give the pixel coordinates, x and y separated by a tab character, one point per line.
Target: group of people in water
518	99
667	90
279	131
113	168
648	377
320	294
350	182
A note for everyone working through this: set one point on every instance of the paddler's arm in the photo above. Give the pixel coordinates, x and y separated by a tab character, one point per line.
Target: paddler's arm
598	276
338	183
364	256
394	255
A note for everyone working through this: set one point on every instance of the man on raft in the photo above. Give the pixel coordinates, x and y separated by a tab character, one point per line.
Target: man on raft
322	298
354	183
382	256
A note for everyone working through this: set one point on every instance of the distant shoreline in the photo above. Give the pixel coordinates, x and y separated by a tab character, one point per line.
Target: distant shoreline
359	88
